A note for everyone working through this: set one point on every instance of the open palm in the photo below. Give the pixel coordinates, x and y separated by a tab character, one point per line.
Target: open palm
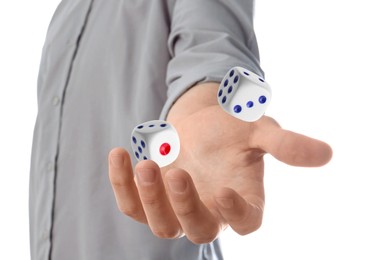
217	179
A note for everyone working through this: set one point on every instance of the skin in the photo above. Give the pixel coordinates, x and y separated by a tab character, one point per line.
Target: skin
217	180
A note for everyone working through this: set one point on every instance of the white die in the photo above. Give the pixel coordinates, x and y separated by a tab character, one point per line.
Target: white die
243	94
155	140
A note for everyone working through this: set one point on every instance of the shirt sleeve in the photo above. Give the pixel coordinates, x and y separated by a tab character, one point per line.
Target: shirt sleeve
207	38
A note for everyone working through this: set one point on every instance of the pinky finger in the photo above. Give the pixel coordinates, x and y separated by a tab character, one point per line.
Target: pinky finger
242	215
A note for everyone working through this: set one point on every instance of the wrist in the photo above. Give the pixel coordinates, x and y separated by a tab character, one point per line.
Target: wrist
195	99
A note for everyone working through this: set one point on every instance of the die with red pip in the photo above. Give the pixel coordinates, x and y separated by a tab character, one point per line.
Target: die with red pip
155	140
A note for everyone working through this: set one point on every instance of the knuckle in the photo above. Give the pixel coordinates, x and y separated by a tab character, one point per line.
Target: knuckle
185	210
258	223
205	238
250	227
137	215
206	234
151	201
130	211
248	221
166	233
118	181
238	217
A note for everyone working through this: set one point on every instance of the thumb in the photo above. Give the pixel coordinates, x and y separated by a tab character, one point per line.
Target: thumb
289	147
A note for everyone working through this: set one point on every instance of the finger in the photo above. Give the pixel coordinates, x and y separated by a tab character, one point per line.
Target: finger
243	216
198	223
159	213
289	147
122	181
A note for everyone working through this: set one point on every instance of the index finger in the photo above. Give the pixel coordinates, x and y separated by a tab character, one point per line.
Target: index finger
123	185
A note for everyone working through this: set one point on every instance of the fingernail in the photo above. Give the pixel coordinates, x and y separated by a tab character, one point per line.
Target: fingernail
117	160
177	185
146	176
225	203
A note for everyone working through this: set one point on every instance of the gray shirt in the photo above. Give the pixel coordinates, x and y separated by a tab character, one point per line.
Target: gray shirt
107	66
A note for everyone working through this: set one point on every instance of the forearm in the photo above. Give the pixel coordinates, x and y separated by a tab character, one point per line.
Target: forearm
195	99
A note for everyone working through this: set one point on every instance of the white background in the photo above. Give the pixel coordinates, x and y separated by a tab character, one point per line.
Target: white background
328	64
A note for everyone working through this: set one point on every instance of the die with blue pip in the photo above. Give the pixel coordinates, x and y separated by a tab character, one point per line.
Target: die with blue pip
244	94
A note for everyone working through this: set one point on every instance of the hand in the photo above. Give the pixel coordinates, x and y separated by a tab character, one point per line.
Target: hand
218	178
